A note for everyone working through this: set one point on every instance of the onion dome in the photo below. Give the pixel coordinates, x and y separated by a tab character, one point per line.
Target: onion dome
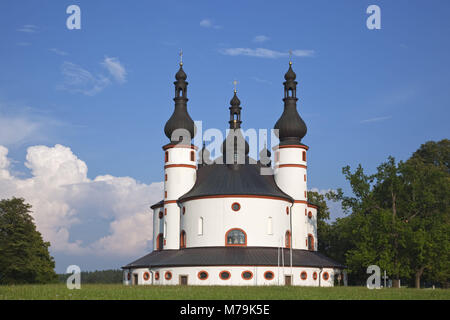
180	128
291	127
235	141
264	156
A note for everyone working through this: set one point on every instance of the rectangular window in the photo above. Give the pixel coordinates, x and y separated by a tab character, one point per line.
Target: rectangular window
165	230
166	159
269	226
200	226
165	194
304	155
192	156
165	177
305	177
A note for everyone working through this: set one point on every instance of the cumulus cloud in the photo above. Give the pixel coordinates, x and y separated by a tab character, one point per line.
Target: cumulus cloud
115	68
264	53
81	217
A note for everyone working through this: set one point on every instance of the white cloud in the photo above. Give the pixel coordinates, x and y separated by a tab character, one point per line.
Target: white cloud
207	23
77	79
376	119
58	52
86	218
28	28
115	68
260	38
17	129
264	53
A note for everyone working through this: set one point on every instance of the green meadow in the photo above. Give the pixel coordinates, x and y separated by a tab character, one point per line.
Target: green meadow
121	292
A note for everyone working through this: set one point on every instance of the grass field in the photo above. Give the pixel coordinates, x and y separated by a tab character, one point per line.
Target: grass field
121	292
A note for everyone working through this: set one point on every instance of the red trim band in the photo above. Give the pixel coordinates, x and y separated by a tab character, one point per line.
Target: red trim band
301	146
180	165
169	146
290	165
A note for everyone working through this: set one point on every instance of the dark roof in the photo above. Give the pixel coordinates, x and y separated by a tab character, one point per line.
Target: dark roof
243	179
158	204
232	256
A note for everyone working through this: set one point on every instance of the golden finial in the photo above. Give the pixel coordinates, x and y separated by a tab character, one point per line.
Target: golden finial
235	84
290	57
181	57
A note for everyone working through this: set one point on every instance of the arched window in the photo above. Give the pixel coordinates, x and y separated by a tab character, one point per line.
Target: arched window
235	237
159	242
310	214
310	242
287	239
183	239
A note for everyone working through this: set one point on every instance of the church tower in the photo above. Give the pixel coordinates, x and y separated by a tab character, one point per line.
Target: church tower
180	165
290	168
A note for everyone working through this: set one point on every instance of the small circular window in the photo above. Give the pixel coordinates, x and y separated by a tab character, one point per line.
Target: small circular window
168	275
225	275
325	276
303	275
202	275
268	275
235	206
146	276
157	275
247	275
315	275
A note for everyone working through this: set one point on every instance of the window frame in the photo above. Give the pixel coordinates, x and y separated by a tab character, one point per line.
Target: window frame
235	244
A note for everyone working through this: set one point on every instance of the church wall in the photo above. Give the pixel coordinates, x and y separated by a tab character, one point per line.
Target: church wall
252	217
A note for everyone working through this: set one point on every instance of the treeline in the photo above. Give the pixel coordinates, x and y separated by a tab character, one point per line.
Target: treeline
98	276
397	218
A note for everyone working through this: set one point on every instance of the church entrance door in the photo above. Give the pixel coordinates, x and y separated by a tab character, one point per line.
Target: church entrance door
184	280
287	280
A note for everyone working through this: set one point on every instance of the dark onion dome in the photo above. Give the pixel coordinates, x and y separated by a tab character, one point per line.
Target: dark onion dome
291	127
218	179
235	140
180	118
264	156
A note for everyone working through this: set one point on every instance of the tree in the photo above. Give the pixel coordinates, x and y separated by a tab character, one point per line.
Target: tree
24	256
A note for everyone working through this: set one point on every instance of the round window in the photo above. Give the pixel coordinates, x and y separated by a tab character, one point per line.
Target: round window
325	276
225	275
157	275
203	275
268	275
315	275
247	275
146	276
235	206
303	275
168	275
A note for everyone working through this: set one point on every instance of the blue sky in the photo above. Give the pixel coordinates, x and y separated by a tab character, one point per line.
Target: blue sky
106	91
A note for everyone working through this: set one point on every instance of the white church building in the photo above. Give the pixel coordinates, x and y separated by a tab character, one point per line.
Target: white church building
222	222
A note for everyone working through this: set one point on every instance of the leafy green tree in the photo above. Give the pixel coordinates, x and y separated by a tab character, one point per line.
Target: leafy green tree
24	256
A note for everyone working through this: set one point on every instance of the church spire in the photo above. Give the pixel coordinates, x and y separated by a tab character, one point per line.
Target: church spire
180	118
291	127
235	110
